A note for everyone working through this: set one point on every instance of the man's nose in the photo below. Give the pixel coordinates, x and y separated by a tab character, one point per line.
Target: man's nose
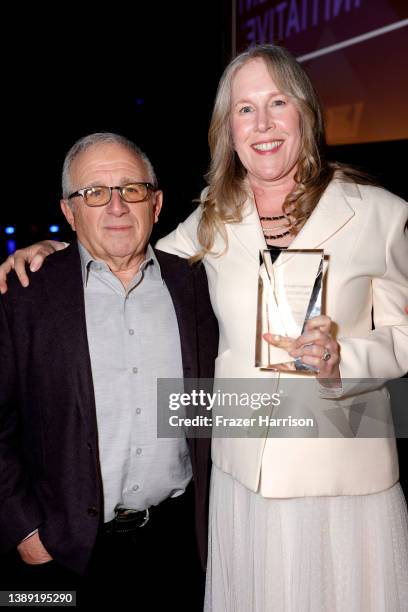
117	206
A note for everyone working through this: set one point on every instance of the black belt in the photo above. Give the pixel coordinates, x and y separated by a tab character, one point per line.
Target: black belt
126	521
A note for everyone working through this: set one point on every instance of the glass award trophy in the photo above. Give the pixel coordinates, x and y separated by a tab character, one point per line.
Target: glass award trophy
289	294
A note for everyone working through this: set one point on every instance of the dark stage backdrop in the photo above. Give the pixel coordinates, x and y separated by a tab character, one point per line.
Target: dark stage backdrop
149	72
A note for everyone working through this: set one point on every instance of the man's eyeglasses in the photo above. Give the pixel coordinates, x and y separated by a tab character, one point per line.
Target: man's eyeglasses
102	195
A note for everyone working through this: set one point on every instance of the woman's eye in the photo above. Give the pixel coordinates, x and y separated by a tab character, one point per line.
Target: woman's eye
279	103
245	109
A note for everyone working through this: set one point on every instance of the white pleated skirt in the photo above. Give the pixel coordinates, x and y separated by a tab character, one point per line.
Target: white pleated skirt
311	554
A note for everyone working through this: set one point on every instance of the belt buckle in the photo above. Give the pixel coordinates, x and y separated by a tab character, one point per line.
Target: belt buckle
125	520
146	518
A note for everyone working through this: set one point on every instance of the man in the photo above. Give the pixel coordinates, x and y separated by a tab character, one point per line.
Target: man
86	486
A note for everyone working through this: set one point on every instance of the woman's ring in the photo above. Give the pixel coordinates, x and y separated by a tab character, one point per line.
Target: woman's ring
326	355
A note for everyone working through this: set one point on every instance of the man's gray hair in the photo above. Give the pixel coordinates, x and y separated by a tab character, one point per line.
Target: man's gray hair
100	138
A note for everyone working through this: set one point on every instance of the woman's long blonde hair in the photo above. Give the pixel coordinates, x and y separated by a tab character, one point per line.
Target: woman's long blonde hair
226	193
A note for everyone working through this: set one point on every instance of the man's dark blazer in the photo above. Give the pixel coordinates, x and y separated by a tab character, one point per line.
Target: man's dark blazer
49	467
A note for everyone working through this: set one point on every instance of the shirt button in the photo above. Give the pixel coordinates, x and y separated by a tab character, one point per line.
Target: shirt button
139	451
138	411
134	370
131	332
135	488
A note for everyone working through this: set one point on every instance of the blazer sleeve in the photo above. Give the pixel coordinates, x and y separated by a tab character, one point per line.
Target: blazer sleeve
183	240
20	513
383	353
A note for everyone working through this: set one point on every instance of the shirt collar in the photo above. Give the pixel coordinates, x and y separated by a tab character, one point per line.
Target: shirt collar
149	266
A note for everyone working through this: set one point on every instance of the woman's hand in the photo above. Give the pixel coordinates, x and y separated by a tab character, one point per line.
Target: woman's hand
33	255
315	347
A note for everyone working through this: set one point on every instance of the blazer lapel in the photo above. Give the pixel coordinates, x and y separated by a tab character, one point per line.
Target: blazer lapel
179	281
330	215
65	291
249	232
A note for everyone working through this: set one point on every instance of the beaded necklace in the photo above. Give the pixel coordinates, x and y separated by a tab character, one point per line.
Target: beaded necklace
268	229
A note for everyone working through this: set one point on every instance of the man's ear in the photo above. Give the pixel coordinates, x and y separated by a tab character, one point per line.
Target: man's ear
67	212
158	202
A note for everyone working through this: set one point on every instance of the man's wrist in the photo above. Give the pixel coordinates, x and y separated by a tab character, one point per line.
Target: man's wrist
29	535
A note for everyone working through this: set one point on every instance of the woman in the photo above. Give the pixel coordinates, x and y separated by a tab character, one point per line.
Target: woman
301	524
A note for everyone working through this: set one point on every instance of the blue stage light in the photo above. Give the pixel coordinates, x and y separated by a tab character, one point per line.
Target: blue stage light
54	229
10	229
11	246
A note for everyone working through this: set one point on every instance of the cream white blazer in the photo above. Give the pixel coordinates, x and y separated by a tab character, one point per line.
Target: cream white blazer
361	229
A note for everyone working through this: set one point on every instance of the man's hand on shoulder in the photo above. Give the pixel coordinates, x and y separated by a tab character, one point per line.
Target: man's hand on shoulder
33	255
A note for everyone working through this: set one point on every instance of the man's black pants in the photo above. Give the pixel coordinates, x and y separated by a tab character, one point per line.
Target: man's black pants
149	567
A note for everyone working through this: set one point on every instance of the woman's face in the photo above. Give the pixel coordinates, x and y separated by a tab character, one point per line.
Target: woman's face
265	126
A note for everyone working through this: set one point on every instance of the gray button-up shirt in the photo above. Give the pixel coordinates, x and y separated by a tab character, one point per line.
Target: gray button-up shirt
133	340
